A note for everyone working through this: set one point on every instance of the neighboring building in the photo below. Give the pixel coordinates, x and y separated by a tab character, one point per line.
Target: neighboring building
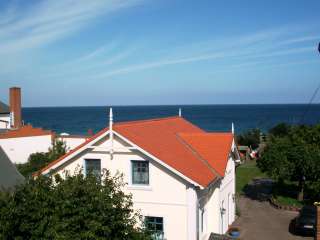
18	144
4	116
71	141
9	175
19	141
244	152
10	116
180	177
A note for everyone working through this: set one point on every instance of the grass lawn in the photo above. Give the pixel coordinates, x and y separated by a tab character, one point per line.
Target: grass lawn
288	201
245	173
284	195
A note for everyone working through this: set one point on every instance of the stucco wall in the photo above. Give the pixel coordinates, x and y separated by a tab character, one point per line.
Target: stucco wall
227	191
6	118
72	142
19	149
212	209
212	199
165	196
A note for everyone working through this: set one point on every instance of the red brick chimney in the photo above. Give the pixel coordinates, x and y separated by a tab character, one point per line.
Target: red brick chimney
15	107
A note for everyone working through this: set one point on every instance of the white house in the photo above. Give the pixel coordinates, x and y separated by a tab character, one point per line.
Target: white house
10	116
4	116
18	141
182	178
18	144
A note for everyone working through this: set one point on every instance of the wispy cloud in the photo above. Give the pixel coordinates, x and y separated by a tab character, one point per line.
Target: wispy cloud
51	20
302	39
258	46
243	51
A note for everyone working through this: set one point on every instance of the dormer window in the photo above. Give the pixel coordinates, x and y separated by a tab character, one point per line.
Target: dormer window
140	172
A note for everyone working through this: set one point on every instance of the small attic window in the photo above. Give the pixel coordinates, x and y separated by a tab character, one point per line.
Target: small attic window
140	172
93	166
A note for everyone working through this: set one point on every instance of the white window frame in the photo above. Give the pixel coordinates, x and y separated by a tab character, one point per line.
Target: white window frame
131	185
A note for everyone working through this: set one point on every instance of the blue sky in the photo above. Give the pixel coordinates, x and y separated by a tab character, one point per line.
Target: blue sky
132	52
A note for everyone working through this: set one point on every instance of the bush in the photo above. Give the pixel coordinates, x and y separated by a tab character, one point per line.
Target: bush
75	208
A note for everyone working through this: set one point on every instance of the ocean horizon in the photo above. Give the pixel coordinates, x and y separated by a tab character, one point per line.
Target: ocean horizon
218	117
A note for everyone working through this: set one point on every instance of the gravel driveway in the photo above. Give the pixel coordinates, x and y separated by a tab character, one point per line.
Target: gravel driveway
259	220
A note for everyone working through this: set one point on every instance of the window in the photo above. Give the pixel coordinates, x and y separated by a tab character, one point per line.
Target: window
140	172
155	226
93	166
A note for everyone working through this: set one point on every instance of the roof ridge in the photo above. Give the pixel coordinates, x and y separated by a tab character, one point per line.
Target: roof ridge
205	133
146	120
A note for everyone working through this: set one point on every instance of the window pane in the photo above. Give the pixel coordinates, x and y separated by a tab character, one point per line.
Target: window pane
140	172
93	166
155	226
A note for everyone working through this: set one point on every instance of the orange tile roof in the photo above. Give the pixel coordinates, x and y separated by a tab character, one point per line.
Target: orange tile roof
159	138
213	147
168	139
24	131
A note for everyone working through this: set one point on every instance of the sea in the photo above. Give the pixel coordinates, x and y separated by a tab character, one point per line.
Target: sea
78	120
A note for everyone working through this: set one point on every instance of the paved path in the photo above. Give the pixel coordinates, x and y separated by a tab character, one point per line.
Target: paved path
260	221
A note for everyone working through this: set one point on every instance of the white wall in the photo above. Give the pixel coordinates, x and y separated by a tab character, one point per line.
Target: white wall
227	192
72	142
19	149
219	194
209	203
6	118
166	196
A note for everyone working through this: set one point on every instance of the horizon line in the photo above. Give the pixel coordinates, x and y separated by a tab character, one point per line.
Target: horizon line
171	105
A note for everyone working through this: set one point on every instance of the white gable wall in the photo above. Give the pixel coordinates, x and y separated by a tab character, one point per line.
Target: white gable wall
166	195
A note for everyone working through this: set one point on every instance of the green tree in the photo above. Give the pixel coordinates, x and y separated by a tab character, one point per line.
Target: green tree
39	160
250	138
294	156
76	207
280	130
